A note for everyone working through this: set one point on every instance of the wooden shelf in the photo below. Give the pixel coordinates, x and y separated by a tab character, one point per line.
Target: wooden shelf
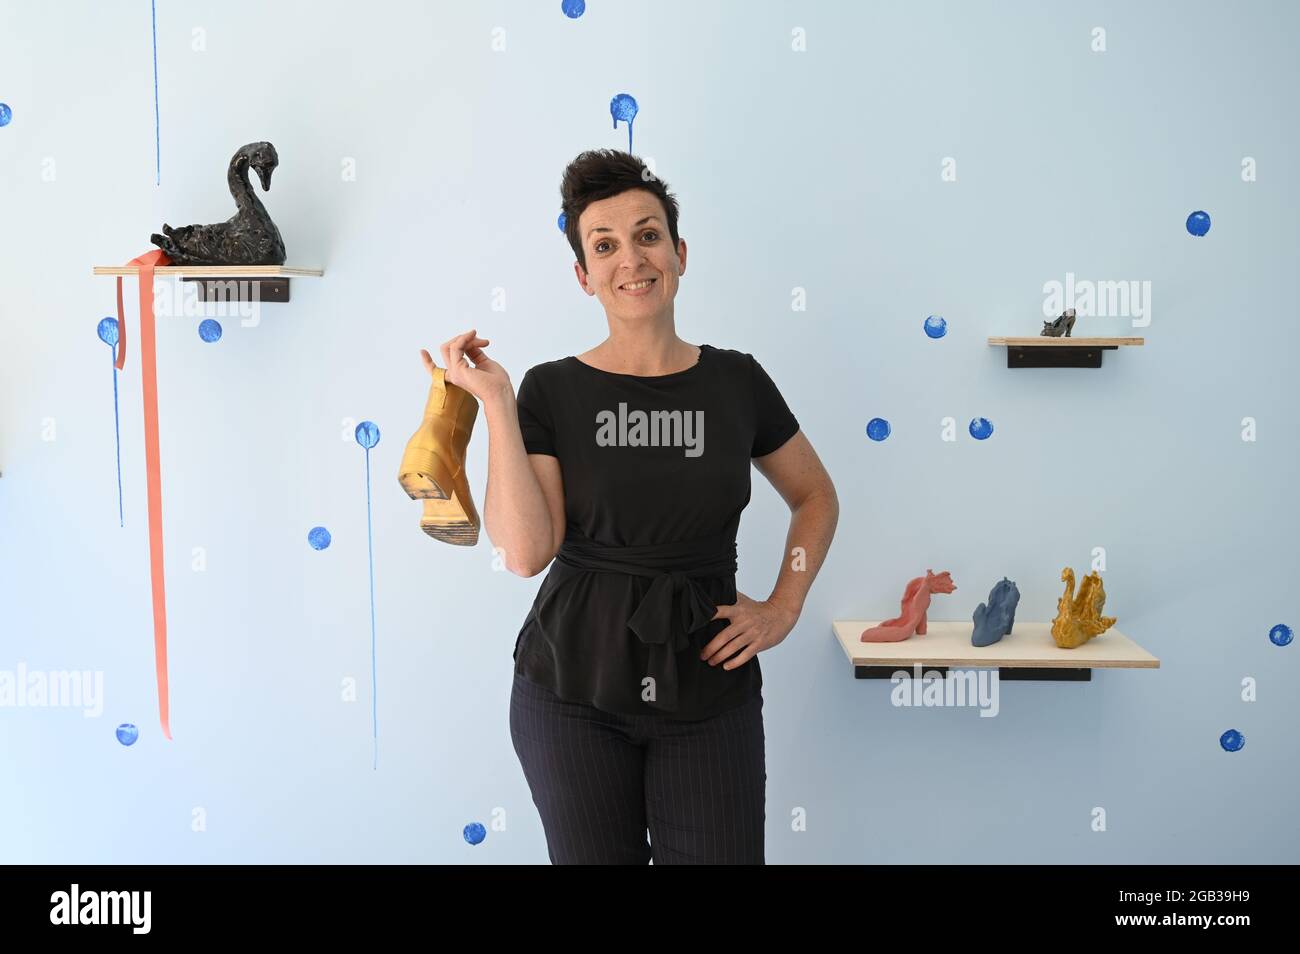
1042	341
217	271
1041	351
1028	653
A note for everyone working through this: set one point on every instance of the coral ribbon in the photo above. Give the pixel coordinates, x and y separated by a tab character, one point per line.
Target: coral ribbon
153	476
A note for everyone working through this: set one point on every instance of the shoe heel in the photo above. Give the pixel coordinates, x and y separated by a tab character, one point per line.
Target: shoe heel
424	474
451	521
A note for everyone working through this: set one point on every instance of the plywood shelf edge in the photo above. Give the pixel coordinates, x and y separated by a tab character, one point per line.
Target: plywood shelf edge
1029	647
218	271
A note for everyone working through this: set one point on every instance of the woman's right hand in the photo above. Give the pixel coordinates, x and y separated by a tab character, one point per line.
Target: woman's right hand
485	379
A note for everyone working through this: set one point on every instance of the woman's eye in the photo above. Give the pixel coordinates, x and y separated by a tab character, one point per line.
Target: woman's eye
651	233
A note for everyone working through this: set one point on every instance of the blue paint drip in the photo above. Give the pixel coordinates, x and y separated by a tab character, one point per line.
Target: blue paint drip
1198	223
560	222
1280	635
935	326
319	538
475	833
107	331
573	8
981	428
1232	741
367	435
210	330
877	428
624	107
6	114
374	689
127	733
157	136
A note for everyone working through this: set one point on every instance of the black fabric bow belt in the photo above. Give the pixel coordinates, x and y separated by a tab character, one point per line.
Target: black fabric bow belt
674	607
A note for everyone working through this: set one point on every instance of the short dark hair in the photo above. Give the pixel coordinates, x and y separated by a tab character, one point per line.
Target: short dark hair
599	174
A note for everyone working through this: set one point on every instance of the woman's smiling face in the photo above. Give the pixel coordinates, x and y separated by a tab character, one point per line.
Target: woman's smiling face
627	245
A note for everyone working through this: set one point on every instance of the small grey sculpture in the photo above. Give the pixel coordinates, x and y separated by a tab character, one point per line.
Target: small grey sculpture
1060	326
249	238
994	619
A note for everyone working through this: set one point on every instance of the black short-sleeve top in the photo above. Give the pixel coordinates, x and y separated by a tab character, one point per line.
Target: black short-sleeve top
651	465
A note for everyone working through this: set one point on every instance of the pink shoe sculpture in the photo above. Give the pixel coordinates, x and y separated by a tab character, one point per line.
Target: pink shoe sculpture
916	600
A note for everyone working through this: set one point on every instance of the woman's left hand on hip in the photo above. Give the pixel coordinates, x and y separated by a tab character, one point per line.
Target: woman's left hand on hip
754	625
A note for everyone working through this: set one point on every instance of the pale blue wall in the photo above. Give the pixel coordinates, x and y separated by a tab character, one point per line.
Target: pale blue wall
818	170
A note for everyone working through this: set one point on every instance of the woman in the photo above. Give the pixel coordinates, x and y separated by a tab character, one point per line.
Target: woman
637	697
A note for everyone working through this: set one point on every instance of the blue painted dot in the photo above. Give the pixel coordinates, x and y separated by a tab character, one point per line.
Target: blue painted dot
127	733
107	330
877	428
319	538
367	434
210	330
1280	635
623	106
1198	223
1232	741
6	114
573	8
475	833
560	222
935	326
981	428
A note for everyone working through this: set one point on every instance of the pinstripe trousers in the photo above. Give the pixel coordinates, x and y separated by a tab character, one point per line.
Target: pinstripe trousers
600	780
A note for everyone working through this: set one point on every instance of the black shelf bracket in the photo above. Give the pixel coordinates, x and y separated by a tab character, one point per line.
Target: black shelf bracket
241	289
1060	356
1043	674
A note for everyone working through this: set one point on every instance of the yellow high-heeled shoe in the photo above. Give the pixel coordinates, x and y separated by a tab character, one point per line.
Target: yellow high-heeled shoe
433	464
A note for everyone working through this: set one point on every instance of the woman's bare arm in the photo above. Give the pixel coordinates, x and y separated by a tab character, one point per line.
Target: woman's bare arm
523	508
523	505
797	474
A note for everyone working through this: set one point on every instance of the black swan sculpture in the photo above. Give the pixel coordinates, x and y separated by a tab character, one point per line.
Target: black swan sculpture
249	238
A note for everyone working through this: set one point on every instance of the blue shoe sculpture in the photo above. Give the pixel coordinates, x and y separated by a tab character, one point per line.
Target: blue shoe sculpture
994	619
